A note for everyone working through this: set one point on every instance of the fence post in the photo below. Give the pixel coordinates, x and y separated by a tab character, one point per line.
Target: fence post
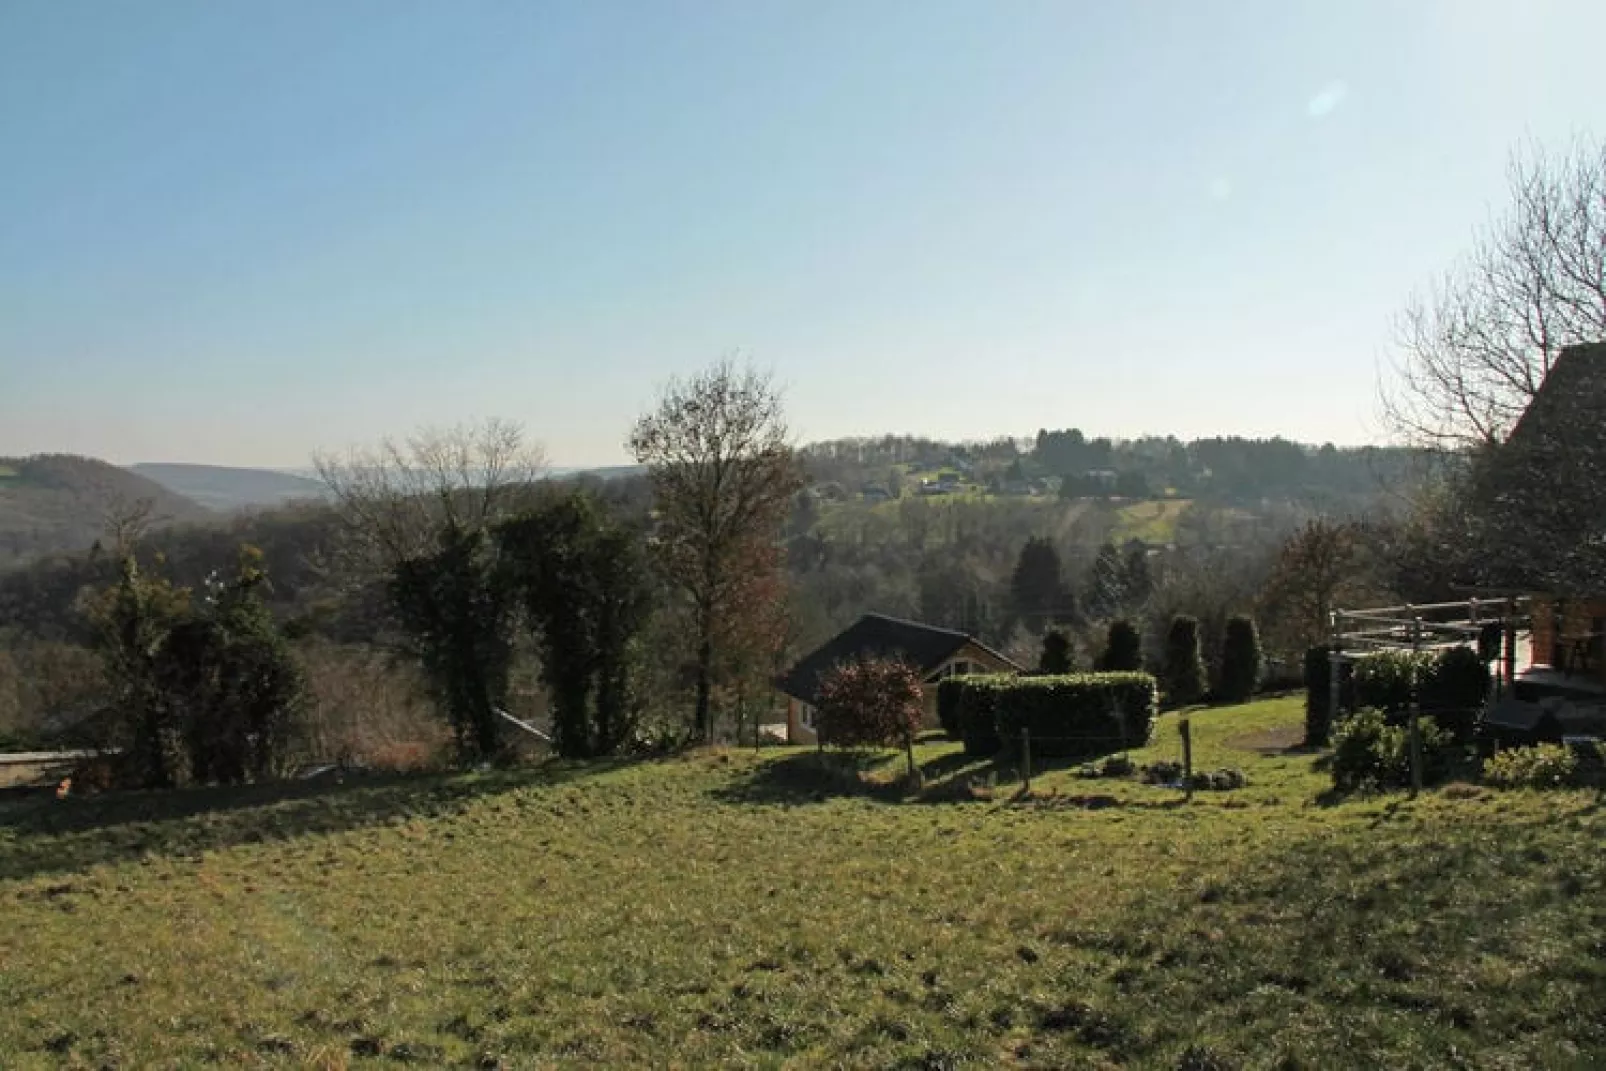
1334	653
1415	708
1186	729
1026	759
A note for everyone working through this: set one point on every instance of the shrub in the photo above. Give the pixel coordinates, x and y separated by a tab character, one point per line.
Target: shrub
1451	685
1383	680
1240	661
949	691
1455	690
1056	654
1078	714
868	703
1371	753
1318	687
1541	766
1183	670
1123	649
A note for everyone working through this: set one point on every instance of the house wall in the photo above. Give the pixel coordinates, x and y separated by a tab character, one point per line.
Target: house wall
971	658
1559	625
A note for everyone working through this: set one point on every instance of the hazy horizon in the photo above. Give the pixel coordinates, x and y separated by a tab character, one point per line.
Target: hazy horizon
235	235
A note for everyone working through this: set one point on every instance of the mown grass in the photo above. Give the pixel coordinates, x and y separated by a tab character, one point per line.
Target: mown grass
748	909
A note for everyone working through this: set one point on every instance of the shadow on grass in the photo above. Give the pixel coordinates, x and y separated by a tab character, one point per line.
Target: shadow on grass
40	834
816	777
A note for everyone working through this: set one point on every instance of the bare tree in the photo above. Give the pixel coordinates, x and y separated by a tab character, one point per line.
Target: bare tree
724	473
1475	348
397	498
419	517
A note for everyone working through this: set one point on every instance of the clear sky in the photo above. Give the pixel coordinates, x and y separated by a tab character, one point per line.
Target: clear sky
235	232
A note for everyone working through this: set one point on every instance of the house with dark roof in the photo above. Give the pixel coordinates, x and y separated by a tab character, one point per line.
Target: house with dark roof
937	653
1547	503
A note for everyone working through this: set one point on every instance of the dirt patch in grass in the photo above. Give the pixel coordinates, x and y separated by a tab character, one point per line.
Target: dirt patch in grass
1280	740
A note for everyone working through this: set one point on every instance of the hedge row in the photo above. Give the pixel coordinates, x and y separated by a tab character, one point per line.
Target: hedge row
1074	715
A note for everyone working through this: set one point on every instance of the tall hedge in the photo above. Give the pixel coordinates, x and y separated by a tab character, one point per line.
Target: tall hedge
1077	715
978	702
949	691
1318	686
1183	669
1240	661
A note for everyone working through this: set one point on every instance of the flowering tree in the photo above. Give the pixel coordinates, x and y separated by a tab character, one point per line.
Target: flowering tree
870	703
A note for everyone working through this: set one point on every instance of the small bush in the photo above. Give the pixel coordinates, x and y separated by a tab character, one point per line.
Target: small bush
869	703
1164	772
1240	661
1370	753
1183	670
1113	766
1541	766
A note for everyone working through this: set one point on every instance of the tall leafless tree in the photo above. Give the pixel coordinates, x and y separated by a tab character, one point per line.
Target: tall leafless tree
724	474
398	497
418	516
1476	346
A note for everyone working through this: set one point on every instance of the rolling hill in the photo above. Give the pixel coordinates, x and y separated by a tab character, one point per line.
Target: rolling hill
226	489
52	503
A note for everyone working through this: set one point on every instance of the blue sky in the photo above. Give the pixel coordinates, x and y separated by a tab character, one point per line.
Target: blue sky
237	232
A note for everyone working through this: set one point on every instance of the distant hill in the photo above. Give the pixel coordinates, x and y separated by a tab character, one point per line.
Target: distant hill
52	503
228	489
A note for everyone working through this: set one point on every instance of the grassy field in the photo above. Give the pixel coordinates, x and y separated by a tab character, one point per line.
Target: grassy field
748	910
1153	521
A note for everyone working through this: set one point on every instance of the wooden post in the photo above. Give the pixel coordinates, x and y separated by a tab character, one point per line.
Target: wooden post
1186	729
1026	760
1333	655
1510	674
1415	709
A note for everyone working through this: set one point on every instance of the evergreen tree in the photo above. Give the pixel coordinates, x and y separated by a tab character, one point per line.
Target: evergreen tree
1240	660
1123	649
455	613
1037	592
583	582
1183	669
1106	584
1056	654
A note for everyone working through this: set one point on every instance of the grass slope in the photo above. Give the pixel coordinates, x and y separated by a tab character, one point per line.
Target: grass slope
727	908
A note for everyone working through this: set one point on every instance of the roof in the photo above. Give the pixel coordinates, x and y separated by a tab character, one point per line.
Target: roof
878	636
1572	398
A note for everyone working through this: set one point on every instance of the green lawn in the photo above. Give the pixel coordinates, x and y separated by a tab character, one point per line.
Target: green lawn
729	908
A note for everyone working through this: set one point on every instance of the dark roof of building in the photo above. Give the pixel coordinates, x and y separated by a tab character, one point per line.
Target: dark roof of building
1570	400
877	636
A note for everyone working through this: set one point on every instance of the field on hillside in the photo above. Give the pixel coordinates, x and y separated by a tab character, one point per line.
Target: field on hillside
1151	521
746	909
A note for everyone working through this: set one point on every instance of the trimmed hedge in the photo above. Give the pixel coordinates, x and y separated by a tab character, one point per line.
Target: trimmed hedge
949	689
978	702
1073	715
1240	661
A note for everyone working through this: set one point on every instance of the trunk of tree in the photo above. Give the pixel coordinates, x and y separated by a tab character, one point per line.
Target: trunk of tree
705	686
